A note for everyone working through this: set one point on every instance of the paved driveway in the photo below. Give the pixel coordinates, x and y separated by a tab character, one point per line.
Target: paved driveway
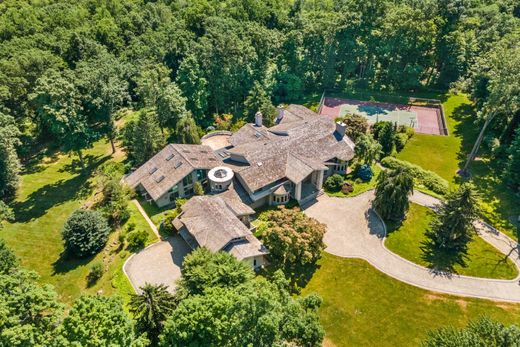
355	231
159	263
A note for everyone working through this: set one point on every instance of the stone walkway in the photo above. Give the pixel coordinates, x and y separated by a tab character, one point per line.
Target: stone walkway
355	231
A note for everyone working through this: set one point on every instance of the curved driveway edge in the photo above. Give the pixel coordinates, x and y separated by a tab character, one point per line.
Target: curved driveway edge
354	230
159	263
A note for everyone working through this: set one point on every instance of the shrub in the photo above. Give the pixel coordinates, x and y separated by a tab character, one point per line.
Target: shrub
198	189
137	239
334	183
365	172
85	232
384	133
167	224
428	179
400	141
96	271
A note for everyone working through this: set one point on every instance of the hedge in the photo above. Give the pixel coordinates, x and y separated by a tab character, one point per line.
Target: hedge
428	179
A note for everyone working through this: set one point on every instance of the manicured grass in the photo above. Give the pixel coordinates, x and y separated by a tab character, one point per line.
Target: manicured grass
445	154
439	153
155	213
52	188
483	259
364	307
358	185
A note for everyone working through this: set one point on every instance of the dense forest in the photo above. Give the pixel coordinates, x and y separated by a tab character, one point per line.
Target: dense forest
67	67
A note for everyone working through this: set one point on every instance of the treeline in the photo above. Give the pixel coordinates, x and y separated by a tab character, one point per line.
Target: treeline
67	67
218	302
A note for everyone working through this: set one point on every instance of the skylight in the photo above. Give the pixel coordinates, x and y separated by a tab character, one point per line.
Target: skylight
159	179
170	157
152	170
178	164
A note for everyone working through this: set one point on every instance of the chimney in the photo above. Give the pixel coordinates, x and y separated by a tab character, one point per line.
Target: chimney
258	119
341	128
279	115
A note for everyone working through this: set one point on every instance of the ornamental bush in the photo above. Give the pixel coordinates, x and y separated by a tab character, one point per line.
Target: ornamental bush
365	173
400	141
428	179
334	183
85	232
137	239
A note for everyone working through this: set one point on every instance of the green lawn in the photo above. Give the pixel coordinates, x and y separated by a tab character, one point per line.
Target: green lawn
52	188
483	260
445	154
364	307
358	185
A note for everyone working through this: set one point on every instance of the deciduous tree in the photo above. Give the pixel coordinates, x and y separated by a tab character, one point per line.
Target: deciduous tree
9	162
293	238
186	130
368	149
99	321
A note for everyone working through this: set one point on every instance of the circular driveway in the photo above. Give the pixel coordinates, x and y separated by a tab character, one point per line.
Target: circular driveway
159	263
355	231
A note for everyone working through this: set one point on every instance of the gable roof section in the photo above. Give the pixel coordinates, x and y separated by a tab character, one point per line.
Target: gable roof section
302	143
212	224
171	165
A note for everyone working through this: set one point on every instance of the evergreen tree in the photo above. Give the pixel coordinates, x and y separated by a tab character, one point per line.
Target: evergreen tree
186	130
384	133
85	232
452	228
31	313
258	100
392	191
150	308
9	162
512	171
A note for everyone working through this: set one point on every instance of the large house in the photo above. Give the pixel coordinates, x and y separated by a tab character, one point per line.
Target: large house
259	166
271	165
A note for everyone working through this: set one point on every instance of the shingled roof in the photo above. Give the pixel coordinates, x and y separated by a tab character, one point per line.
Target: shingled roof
208	221
170	166
298	145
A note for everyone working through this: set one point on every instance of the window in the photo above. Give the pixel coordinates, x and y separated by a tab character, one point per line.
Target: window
201	174
174	189
188	191
174	196
188	180
254	262
152	170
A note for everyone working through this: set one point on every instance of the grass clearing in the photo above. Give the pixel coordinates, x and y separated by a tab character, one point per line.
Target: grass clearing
52	188
483	259
364	307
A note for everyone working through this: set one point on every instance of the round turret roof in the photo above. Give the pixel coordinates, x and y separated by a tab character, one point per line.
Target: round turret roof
220	174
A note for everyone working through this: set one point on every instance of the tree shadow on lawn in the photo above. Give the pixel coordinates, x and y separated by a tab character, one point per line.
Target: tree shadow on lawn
442	263
297	276
67	262
53	194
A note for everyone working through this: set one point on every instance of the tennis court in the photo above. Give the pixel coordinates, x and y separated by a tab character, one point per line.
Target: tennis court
426	119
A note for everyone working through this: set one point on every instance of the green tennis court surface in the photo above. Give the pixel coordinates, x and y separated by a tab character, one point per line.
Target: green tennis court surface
374	113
